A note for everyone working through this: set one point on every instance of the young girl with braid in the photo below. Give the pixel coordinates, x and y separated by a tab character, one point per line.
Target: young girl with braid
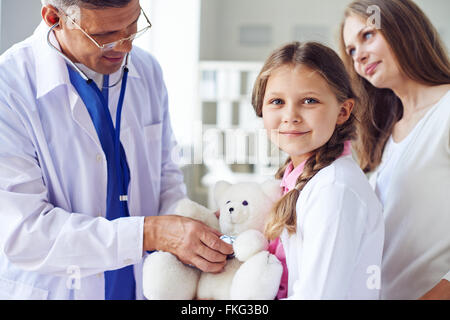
328	228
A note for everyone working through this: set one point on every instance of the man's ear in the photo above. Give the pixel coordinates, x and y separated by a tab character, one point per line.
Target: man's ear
50	16
346	111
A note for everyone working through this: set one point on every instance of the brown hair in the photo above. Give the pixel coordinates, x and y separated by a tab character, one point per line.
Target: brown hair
328	64
421	56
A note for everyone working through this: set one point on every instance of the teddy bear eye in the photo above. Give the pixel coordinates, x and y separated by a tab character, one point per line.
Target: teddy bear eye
245	203
228	202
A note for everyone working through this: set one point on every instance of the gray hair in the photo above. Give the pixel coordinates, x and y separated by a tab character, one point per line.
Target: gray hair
97	4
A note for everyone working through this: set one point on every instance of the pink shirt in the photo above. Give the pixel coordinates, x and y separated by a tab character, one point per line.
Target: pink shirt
288	183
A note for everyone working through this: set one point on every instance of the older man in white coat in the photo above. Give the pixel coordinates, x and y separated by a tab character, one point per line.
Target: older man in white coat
84	188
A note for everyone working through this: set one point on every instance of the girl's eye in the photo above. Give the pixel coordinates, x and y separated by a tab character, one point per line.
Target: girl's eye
351	52
310	101
276	101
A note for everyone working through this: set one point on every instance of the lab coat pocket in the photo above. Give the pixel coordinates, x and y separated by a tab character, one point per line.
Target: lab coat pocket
153	132
13	290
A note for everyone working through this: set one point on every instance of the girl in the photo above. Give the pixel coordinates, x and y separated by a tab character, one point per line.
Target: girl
402	73
329	220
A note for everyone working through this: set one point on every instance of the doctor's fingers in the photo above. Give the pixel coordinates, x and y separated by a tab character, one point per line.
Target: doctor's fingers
207	266
211	239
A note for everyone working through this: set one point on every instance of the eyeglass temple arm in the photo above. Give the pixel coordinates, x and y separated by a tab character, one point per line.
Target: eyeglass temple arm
83	75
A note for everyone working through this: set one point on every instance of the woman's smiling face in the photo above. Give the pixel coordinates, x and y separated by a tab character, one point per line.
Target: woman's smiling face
372	56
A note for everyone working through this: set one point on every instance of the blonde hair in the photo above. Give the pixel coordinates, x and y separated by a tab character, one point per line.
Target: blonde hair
421	56
328	64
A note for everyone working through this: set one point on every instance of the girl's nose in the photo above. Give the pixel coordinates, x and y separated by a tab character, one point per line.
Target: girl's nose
291	114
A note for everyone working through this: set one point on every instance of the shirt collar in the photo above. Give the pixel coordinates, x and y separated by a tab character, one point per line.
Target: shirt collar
290	176
51	69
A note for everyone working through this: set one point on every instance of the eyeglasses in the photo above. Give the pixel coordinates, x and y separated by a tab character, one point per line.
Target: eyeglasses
111	45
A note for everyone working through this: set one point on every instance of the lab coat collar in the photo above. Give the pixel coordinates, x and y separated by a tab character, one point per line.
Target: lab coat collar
291	174
51	69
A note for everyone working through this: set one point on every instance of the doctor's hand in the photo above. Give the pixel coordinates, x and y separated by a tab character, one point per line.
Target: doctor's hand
441	291
191	241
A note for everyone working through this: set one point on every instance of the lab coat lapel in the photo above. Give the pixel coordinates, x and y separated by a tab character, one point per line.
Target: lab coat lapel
51	72
81	115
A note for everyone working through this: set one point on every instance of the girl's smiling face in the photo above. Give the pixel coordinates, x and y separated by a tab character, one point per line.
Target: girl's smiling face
300	111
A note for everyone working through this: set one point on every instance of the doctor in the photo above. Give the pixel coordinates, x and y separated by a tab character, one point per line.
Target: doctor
79	207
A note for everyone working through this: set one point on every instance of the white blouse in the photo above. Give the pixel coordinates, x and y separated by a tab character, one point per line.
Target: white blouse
413	181
336	252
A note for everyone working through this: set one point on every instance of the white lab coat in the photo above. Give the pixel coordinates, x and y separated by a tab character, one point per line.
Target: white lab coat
336	251
53	175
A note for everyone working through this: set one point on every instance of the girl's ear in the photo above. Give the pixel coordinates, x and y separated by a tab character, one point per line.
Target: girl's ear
346	111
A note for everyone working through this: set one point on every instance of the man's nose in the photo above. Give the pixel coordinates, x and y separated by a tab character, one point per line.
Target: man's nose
124	46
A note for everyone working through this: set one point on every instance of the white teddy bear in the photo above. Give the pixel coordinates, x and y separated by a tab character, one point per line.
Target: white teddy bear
254	274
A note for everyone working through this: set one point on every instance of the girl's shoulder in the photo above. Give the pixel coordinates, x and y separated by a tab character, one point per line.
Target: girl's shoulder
342	176
343	171
340	189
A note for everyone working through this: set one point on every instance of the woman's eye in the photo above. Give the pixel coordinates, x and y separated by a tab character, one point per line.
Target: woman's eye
310	101
368	35
351	52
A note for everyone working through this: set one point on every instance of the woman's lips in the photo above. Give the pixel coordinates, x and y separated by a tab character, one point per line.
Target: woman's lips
371	68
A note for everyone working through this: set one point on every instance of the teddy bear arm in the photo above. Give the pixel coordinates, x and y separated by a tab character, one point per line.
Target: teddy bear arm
249	243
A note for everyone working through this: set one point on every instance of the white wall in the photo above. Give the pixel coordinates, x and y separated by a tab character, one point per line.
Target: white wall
18	20
174	40
438	11
222	20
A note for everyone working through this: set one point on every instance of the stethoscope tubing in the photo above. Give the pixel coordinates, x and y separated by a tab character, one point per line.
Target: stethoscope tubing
90	82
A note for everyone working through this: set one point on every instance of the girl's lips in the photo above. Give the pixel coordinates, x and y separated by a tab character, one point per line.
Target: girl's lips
371	68
293	133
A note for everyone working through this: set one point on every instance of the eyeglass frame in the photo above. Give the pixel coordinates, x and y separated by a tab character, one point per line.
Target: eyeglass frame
111	45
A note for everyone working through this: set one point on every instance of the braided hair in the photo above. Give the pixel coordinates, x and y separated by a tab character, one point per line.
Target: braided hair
325	61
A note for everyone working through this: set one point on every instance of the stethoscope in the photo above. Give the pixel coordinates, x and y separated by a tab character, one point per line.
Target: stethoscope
123	193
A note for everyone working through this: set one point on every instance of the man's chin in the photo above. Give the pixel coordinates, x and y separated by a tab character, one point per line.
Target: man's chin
108	69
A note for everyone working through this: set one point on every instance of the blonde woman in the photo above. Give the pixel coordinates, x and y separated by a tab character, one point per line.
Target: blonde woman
401	71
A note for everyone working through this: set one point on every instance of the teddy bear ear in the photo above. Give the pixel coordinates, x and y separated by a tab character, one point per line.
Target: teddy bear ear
219	189
272	189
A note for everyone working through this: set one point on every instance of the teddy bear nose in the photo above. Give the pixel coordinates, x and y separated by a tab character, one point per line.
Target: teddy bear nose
231	210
